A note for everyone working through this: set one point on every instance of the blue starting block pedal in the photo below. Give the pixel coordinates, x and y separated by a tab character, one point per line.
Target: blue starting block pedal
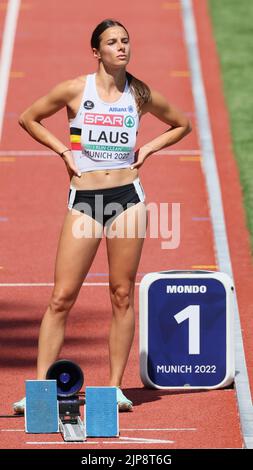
101	412
41	411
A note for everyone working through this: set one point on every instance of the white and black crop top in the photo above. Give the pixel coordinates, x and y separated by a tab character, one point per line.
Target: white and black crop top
103	135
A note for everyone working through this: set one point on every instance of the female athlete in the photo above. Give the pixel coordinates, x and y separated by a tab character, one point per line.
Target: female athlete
104	109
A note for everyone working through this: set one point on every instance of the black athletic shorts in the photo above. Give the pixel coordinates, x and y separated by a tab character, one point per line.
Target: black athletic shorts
106	204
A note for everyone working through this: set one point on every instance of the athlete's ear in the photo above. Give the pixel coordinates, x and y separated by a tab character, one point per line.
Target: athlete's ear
96	53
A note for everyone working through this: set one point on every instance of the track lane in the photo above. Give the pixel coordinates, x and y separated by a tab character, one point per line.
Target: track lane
35	228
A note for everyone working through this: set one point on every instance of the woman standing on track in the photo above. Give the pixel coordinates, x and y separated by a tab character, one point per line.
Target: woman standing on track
104	109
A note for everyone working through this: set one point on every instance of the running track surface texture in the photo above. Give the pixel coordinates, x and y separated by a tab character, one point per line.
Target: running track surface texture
51	45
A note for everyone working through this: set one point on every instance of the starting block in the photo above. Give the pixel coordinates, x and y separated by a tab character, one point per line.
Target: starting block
41	411
53	405
101	412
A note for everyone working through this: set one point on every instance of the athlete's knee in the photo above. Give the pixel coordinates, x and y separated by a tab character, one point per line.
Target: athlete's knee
122	294
61	301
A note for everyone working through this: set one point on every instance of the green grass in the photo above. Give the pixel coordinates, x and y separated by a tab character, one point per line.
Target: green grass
233	29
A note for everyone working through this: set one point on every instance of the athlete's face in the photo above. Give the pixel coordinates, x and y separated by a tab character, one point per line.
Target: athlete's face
114	48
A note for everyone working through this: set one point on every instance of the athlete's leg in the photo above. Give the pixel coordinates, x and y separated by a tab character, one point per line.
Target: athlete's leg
74	257
124	252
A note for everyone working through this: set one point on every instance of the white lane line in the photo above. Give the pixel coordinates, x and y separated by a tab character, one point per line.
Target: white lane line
159	429
50	284
26	153
119	442
178	152
144	440
61	443
42	153
123	429
139	442
217	214
12	430
10	25
26	284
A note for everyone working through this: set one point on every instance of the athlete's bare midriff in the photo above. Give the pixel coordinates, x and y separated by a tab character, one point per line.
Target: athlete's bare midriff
104	178
99	178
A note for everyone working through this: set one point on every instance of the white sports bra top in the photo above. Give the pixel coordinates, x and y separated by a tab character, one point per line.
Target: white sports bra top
103	135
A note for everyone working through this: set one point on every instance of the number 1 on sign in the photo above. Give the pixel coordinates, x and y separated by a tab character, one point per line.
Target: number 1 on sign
191	313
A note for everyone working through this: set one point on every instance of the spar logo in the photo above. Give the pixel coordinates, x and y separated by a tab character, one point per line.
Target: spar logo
129	121
95	119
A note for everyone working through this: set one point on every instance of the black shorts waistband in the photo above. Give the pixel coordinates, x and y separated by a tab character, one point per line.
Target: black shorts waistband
105	191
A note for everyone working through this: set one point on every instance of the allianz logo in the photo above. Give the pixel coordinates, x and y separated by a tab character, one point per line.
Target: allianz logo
116	110
181	289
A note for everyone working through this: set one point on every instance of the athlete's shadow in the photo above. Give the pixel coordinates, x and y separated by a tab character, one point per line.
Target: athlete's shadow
146	395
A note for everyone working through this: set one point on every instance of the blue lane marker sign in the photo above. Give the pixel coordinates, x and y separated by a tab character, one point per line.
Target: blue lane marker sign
186	329
41	411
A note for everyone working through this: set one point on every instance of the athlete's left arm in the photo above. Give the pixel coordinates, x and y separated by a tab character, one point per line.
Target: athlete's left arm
159	107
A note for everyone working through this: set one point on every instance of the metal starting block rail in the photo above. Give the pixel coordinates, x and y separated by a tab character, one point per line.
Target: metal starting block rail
72	431
70	424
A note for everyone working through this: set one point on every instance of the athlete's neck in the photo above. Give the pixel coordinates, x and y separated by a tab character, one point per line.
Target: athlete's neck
111	80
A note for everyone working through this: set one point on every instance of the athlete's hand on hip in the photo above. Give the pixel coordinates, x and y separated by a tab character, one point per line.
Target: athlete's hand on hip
70	165
140	156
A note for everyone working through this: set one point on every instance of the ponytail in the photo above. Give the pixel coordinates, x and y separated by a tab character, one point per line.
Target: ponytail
140	90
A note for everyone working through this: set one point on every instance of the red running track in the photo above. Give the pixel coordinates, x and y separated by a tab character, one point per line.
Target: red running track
50	48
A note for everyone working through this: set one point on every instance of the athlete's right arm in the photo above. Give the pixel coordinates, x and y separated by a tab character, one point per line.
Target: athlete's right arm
46	106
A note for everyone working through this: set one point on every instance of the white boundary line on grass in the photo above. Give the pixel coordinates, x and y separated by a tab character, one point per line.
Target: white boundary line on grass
217	215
